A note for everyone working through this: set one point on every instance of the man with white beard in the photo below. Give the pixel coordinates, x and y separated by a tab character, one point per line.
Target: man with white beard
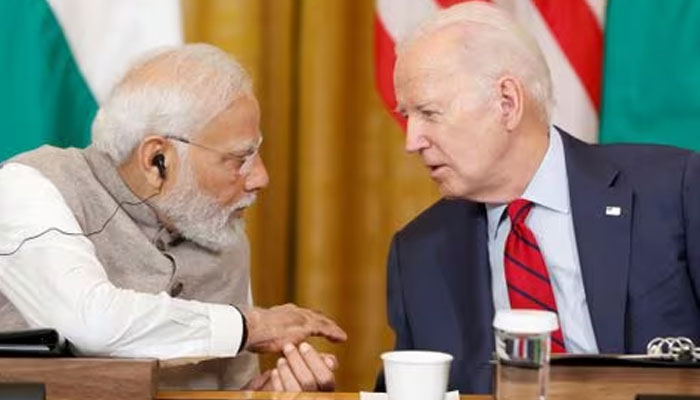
135	247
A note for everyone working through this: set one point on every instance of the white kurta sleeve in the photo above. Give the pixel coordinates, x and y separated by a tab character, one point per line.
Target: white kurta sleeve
57	281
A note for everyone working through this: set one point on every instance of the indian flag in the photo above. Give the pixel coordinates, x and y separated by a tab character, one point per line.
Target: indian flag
60	58
651	86
623	70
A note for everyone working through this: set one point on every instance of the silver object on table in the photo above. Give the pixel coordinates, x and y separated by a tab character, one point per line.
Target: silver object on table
675	348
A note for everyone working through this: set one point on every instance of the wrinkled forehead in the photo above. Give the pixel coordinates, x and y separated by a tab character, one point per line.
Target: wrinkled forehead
434	54
429	68
238	125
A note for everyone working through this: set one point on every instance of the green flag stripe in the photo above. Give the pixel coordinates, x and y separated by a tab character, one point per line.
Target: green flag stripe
651	79
43	96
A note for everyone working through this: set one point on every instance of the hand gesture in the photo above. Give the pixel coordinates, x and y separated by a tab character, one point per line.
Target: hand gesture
302	369
270	329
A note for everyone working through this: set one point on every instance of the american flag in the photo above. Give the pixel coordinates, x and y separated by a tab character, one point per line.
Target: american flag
569	32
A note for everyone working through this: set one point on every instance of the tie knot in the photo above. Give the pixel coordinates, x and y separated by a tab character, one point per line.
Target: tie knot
518	210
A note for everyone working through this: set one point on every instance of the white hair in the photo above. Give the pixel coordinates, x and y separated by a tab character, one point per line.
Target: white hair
494	45
173	91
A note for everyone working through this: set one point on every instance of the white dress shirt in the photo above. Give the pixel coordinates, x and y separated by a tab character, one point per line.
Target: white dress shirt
551	222
57	281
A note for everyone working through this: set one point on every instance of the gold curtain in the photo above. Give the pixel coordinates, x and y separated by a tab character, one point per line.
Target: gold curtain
340	181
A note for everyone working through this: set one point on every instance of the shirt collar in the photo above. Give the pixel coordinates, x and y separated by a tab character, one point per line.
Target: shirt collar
548	188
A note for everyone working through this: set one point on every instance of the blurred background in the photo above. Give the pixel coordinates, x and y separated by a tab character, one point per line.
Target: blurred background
624	70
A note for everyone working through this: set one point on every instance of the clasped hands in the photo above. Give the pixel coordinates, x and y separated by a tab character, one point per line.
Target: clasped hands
282	329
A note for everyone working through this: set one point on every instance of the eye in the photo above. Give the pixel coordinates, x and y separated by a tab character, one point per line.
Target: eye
233	162
428	114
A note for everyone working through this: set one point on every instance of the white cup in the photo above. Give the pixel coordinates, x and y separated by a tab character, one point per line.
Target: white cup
416	375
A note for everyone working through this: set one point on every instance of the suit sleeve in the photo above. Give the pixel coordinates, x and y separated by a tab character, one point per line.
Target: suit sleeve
691	208
395	307
395	300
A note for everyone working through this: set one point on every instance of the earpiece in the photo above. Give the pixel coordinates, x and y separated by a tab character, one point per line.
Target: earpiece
159	162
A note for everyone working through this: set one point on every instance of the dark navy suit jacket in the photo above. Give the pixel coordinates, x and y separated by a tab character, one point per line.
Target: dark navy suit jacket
641	270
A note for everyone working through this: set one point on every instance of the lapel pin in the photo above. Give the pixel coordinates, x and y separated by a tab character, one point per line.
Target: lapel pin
613	211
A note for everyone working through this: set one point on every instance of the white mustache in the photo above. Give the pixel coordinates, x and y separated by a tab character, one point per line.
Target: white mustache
245	202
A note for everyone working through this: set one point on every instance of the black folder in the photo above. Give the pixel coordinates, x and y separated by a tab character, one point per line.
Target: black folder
33	343
620	360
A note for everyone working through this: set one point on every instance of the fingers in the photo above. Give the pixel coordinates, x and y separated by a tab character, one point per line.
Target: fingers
333	332
276	381
326	327
269	330
258	382
304	369
321	367
330	360
287	376
297	364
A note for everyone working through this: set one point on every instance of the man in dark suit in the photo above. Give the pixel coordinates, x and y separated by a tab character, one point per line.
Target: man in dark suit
617	228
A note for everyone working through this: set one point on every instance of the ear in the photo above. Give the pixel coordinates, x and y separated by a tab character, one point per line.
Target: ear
510	100
148	149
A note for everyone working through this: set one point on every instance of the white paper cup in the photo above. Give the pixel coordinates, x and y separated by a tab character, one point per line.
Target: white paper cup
416	375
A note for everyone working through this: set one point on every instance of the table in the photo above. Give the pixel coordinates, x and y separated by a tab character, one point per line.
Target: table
120	379
566	383
224	395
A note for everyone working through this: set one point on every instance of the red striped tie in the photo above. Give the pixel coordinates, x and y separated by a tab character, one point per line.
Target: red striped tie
526	273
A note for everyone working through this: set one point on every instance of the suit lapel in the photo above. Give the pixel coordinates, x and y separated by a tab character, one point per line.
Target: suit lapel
597	192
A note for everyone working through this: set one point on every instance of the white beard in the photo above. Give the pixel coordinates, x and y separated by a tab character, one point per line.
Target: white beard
198	216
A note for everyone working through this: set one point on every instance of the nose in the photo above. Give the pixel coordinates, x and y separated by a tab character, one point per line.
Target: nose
258	178
415	137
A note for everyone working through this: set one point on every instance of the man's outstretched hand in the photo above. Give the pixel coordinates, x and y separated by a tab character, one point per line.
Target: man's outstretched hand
270	329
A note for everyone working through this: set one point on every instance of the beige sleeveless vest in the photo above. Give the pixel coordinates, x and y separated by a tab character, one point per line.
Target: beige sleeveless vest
137	253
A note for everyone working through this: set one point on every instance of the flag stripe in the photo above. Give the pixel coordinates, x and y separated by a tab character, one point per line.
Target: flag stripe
652	86
570	22
400	17
105	36
573	110
385	58
43	96
598	8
